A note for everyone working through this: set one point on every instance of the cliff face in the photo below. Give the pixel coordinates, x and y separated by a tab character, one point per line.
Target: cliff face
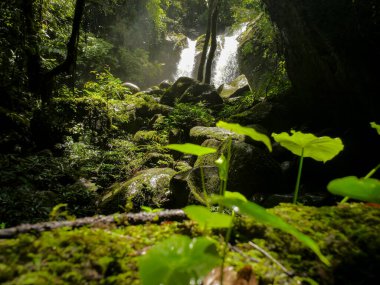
332	57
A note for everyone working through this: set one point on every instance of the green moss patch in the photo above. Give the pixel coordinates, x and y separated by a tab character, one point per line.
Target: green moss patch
348	235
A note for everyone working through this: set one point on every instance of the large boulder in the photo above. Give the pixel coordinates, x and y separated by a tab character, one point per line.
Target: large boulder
259	58
252	169
200	92
235	88
174	92
148	188
186	187
332	57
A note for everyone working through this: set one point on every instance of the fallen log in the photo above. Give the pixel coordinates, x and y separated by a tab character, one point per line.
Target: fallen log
119	219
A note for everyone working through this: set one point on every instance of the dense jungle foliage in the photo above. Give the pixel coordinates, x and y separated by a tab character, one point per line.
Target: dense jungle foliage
94	121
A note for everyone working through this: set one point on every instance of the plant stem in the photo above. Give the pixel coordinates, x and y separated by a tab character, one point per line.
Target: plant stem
372	172
228	164
226	243
298	179
204	187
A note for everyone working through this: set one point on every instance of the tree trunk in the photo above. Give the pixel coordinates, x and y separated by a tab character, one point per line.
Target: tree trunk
41	83
202	63
213	46
31	48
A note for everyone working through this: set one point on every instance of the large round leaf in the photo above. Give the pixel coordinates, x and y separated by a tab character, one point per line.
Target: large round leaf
318	148
363	189
178	260
251	132
207	219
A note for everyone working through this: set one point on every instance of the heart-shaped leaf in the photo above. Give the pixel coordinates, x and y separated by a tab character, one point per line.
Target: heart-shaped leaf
261	215
190	148
252	133
178	260
207	219
363	189
376	127
318	148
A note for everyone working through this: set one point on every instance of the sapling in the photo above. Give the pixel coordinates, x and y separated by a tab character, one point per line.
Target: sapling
307	145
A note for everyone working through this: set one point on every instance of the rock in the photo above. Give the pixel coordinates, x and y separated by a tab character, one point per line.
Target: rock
235	88
200	92
165	84
133	87
199	134
186	186
252	169
148	188
259	57
176	90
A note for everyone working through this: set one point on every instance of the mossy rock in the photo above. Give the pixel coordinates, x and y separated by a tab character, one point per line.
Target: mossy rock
199	134
174	92
148	188
235	88
347	235
252	170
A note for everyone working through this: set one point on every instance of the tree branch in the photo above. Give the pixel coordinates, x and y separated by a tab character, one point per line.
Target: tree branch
128	218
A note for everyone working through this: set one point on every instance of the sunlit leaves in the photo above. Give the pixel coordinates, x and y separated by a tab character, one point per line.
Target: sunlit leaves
252	133
376	127
318	148
363	189
178	260
261	215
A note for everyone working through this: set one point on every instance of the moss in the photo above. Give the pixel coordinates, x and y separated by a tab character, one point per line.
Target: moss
347	235
79	256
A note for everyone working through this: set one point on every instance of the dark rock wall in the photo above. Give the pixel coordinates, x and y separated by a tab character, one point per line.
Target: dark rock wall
332	56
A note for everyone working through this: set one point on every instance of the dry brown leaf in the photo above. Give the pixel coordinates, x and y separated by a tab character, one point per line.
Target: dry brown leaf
245	276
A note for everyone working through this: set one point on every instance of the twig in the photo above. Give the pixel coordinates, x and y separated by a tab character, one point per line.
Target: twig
238	250
289	273
128	219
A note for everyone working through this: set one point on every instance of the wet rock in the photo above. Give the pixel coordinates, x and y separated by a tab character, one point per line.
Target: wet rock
235	88
165	84
148	188
201	93
176	90
132	87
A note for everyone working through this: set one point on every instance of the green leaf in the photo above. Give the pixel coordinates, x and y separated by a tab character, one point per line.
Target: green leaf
363	189
190	148
318	148
376	127
252	133
178	260
260	214
235	195
207	219
222	164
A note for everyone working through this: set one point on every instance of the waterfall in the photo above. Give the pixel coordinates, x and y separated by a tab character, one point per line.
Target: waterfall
186	63
226	64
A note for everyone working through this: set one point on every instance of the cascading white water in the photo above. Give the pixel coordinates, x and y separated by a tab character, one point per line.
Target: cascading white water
226	64
186	63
